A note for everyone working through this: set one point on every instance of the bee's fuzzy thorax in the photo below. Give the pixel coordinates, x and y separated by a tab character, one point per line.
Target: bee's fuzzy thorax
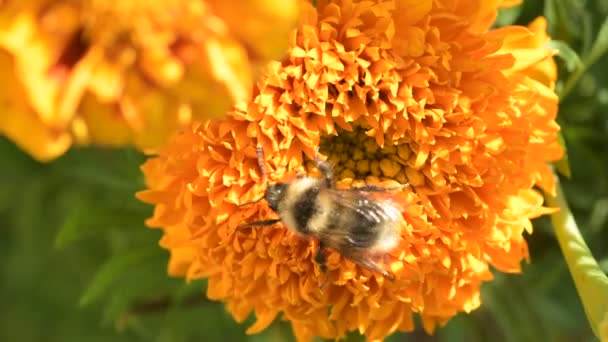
299	203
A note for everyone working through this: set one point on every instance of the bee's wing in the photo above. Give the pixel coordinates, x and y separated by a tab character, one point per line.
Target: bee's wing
368	262
374	206
371	211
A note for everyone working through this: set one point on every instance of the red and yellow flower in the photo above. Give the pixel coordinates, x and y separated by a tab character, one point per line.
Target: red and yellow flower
417	92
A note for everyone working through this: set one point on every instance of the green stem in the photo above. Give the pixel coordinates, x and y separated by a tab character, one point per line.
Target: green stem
579	72
571	82
591	283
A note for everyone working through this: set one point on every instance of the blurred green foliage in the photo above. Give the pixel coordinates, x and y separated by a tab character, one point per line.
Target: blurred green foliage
78	264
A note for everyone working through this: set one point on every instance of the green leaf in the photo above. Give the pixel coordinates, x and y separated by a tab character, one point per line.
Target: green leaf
507	16
522	318
71	229
550	276
604	265
599	215
563	165
564	18
551	13
600	46
499	312
553	311
353	336
459	328
114	269
96	214
565	52
115	169
114	307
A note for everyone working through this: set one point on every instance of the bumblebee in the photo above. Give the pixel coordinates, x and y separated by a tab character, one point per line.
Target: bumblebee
361	223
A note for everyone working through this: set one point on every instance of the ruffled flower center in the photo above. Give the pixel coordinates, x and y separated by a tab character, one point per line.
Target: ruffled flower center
357	157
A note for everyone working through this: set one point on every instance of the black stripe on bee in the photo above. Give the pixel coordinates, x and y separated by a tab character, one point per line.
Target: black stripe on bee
305	208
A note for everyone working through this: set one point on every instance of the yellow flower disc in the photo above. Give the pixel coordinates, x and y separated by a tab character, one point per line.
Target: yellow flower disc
417	92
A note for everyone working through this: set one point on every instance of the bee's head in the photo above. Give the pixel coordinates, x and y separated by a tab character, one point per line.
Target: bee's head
274	195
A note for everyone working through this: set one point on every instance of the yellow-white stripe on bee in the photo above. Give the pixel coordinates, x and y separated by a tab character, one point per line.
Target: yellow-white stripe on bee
389	230
324	206
295	190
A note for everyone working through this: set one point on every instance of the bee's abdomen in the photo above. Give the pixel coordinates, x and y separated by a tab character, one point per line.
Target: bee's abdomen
368	226
363	231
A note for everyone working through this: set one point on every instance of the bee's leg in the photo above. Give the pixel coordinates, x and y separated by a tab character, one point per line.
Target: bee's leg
259	224
321	259
370	264
326	170
248	203
260	154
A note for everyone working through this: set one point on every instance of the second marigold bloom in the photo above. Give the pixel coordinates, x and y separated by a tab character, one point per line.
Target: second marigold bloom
128	72
415	92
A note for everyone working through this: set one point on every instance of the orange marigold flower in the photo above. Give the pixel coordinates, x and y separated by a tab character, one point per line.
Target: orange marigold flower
129	71
405	91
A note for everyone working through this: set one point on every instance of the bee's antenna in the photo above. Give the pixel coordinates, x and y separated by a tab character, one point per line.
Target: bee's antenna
260	152
248	203
261	161
326	170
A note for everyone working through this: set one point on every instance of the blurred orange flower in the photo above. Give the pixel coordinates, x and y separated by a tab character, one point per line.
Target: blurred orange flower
417	92
129	72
